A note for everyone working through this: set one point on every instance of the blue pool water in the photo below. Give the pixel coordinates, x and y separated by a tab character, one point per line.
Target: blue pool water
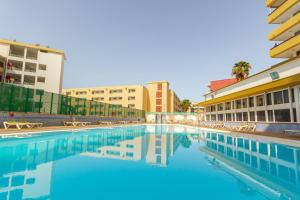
147	162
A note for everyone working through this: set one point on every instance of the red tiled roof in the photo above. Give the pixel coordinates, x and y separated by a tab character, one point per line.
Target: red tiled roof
219	84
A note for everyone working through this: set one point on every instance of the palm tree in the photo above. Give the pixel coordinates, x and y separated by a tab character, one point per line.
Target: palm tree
185	104
241	70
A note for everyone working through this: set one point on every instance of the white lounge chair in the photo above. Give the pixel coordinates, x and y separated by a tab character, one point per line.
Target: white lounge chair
105	122
20	125
76	123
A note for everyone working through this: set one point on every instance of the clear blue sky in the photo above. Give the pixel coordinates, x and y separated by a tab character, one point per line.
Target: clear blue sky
116	42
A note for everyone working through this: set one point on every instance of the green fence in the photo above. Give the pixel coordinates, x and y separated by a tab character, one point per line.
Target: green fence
19	99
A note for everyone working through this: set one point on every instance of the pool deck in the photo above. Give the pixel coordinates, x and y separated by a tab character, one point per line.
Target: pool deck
275	137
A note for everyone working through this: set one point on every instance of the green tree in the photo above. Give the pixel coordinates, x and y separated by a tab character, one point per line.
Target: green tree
241	70
185	104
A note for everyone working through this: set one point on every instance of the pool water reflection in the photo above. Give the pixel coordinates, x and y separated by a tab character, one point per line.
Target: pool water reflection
147	162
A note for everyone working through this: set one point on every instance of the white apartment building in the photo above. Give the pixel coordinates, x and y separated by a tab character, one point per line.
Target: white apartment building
31	66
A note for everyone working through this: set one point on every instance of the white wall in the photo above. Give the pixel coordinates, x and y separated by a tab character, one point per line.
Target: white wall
53	74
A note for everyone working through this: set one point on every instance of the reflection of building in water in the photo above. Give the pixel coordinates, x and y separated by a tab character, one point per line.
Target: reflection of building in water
26	166
269	165
29	184
25	169
161	145
130	149
156	147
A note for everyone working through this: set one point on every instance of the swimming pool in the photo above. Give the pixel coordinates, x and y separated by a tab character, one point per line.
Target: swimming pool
147	162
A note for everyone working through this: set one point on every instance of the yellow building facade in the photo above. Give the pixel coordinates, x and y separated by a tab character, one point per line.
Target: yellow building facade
154	97
286	14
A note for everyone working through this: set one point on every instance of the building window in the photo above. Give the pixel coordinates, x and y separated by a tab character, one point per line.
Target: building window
207	109
244	102
131	90
207	117
286	96
97	91
269	99
131	105
282	115
239	117
17	51
32	54
115	91
159	86
220	107
29	80
260	100
15	65
233	104
213	117
158	102
158	109
245	116
293	95
115	98
98	98
270	116
261	116
42	67
251	102
238	104
30	67
41	79
281	97
228	105
295	114
252	116
81	93
228	117
213	108
158	94
220	117
131	98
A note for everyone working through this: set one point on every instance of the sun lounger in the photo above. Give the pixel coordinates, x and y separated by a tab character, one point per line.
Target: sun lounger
76	123
105	122
20	125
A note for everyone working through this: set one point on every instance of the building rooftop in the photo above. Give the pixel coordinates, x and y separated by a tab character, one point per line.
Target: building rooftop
34	46
219	84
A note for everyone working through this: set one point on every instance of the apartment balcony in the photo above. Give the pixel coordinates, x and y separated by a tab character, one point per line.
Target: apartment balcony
30	67
13	78
287	30
17	51
274	3
287	49
15	65
284	12
32	54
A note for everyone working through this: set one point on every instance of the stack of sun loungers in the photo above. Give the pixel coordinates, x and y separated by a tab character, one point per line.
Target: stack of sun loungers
212	124
20	125
76	123
248	127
